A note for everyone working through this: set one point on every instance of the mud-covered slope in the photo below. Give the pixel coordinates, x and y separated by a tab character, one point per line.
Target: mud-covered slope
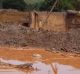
21	36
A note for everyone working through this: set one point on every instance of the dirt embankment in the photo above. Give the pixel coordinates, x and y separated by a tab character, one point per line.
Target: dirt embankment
21	36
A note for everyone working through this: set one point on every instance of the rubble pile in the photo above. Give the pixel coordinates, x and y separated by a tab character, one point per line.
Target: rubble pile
21	36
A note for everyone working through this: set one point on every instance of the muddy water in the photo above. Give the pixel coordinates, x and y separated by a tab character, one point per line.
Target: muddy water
54	68
42	68
44	62
10	71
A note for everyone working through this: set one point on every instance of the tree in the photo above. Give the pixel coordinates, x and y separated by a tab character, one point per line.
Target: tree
47	5
65	5
33	4
62	5
14	4
40	5
77	4
1	4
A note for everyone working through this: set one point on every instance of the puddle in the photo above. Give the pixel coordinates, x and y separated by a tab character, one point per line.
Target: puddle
42	68
54	68
11	71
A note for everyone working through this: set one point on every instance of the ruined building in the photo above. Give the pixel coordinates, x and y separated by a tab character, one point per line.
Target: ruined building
57	21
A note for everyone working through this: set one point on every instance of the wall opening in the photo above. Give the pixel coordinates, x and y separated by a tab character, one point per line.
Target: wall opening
26	24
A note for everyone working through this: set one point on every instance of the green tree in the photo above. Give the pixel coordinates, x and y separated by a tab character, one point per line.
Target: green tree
77	4
33	4
65	5
14	4
62	5
1	4
47	4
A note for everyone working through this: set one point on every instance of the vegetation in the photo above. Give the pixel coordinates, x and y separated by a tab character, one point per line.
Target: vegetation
40	5
14	4
62	5
66	4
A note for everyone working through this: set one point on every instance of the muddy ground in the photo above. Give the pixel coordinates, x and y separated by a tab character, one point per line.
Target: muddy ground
22	36
46	63
27	54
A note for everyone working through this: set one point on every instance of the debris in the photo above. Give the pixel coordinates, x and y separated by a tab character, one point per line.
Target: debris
37	55
16	63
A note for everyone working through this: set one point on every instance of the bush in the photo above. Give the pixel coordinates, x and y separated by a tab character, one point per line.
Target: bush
14	4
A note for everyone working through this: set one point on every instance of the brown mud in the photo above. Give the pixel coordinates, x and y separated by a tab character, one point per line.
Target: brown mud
47	62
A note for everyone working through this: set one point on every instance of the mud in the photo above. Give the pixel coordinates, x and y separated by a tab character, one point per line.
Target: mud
44	62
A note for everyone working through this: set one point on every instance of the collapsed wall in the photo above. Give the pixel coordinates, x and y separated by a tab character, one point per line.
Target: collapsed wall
20	36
